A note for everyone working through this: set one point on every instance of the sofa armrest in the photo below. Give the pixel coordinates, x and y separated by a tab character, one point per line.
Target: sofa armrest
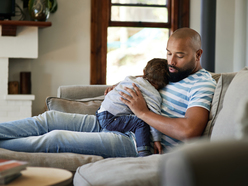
207	163
81	91
80	99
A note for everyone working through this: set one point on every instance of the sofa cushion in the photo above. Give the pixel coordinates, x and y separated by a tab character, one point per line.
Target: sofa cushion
68	161
241	131
225	123
120	171
215	76
80	106
217	102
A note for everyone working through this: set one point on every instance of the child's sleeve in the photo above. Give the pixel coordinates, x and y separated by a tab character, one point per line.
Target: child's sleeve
156	135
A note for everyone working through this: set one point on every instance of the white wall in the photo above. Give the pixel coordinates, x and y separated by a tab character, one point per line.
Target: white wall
231	40
64	53
224	35
240	29
195	15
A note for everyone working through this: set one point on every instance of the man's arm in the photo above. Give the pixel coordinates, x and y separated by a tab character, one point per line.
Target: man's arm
191	125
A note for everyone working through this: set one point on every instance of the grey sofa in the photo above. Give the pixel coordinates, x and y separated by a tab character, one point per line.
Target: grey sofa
219	157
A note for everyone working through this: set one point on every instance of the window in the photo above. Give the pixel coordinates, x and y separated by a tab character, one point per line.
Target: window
125	34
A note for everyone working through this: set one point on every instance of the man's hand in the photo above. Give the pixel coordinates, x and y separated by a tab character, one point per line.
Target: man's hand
157	147
109	89
135	102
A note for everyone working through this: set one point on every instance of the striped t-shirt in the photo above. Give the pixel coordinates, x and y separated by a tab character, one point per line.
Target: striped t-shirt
195	90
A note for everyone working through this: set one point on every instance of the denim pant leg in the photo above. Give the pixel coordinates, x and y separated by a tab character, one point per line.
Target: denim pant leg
61	132
46	122
127	123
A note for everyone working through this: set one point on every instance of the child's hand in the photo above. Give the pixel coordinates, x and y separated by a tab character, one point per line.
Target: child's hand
109	89
157	147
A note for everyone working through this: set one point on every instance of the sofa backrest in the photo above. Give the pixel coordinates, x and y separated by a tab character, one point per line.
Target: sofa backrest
230	92
83	106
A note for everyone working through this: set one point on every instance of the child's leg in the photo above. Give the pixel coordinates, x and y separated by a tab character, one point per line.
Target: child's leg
127	123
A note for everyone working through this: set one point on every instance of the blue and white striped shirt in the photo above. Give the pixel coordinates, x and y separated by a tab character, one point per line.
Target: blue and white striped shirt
194	91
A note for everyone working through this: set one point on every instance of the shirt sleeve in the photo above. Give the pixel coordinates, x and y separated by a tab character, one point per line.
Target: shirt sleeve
201	94
156	135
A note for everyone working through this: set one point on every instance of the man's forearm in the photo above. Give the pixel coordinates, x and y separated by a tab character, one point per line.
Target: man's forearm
192	125
168	126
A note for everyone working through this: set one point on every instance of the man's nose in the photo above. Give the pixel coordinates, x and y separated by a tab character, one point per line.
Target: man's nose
172	61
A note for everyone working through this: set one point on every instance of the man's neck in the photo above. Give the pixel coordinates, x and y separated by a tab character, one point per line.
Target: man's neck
196	69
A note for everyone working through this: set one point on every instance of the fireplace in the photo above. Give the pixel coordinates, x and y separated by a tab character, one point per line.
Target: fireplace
23	45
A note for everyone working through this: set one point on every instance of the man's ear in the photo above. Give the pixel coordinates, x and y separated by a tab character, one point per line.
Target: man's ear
198	54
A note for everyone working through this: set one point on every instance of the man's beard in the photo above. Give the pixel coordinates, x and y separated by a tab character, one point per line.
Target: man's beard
180	74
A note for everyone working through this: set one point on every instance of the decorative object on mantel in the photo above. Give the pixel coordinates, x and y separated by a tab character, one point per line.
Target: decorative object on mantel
53	6
39	10
13	87
25	82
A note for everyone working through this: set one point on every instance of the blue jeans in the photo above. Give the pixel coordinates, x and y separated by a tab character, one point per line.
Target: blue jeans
124	124
55	131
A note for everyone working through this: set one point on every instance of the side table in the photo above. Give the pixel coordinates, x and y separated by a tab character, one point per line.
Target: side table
41	176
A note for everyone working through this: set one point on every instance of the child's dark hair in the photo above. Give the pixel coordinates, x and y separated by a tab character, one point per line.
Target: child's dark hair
157	72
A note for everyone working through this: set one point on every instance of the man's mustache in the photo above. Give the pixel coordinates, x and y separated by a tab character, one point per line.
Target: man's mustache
170	66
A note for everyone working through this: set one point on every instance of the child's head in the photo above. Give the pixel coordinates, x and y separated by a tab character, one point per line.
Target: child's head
157	72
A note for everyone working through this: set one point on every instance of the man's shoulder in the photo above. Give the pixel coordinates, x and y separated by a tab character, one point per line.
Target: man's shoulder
205	77
201	77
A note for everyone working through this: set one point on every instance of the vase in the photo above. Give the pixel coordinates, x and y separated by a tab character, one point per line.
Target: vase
39	9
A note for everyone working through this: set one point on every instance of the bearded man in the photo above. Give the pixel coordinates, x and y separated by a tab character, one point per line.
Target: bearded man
187	98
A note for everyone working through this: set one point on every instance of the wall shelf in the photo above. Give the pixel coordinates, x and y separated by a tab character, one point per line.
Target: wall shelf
9	27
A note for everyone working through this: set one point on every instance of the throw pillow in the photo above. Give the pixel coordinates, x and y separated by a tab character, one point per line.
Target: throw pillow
217	102
215	76
225	123
80	106
242	120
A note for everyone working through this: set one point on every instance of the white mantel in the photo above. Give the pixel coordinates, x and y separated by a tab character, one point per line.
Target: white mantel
23	45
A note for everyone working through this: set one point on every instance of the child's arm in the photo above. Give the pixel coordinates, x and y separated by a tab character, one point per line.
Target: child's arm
156	137
158	147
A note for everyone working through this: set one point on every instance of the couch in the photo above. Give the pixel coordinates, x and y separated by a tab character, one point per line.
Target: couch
218	157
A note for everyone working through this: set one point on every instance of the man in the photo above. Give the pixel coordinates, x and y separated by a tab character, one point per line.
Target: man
185	108
187	99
